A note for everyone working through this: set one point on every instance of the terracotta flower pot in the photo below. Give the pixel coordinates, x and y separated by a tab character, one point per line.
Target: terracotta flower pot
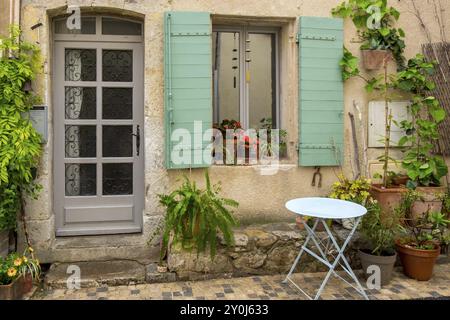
417	264
388	198
430	201
373	59
12	291
385	263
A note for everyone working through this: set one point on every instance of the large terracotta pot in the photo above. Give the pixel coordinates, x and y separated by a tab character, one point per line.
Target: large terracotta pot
13	291
417	264
373	59
388	198
385	263
430	201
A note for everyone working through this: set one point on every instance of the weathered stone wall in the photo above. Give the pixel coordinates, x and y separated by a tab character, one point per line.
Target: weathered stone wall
258	250
261	197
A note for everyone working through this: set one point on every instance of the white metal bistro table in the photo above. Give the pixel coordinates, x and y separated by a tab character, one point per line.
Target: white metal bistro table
322	209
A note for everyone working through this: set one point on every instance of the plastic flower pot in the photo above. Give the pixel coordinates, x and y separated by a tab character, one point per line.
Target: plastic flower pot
417	264
385	263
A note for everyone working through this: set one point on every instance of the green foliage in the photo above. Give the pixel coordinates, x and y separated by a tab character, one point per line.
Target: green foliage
195	216
427	232
349	65
19	142
446	202
364	13
380	232
15	265
421	132
351	190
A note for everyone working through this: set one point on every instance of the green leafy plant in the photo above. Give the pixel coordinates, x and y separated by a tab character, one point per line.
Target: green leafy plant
351	190
195	217
446	202
349	65
426	232
19	142
381	35
267	146
380	231
423	167
15	265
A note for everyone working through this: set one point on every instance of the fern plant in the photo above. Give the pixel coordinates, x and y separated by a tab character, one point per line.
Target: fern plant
195	217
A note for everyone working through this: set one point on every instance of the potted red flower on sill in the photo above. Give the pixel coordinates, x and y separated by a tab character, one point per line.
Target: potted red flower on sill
17	273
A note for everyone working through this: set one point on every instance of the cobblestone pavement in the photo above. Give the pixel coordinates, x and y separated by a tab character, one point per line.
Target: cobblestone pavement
261	287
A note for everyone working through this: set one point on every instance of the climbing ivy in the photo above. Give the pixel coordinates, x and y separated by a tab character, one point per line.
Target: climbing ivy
19	142
374	21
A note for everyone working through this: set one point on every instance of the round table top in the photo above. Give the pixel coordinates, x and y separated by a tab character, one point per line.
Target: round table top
326	208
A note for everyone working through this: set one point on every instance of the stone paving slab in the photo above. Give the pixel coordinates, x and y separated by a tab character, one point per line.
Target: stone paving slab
96	273
260	288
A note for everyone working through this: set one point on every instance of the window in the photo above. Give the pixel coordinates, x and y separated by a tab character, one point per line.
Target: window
245	73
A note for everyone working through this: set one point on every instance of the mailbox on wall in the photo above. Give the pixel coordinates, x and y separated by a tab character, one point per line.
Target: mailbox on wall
38	118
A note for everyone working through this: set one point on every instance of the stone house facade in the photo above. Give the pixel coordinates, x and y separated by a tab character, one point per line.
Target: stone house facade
77	224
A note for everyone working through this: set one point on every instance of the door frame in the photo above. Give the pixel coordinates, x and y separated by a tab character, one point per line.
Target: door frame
114	204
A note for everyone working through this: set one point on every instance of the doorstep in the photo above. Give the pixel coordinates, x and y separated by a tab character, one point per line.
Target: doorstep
110	273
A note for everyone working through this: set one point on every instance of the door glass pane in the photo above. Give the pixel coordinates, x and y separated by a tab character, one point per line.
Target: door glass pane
226	75
118	65
87	26
117	178
120	27
81	179
117	141
80	65
261	78
80	141
117	103
80	103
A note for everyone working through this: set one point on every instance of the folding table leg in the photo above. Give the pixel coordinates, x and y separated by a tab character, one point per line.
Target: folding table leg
302	249
341	255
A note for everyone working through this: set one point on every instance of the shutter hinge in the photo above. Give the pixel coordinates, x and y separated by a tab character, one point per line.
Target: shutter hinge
315	37
174	34
297	38
316	146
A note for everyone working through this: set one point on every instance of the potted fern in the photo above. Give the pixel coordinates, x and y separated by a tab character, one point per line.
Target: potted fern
195	216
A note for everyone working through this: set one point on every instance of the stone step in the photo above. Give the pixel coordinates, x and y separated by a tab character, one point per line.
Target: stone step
99	273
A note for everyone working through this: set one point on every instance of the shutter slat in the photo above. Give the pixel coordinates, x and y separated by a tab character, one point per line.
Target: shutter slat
321	97
188	87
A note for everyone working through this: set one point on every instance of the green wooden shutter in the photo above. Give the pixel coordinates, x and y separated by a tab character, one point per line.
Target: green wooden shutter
321	97
188	85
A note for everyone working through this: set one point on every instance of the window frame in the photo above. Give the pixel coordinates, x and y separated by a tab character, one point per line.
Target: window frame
98	36
244	102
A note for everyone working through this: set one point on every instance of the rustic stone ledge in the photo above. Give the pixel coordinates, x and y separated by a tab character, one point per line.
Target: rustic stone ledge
258	250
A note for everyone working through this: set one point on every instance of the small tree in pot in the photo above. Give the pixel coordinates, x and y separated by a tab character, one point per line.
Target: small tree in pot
380	235
420	247
424	168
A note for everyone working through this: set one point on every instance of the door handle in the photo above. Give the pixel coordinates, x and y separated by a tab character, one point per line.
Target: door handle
138	139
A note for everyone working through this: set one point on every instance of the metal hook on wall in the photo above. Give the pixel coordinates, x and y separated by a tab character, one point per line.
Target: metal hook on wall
317	173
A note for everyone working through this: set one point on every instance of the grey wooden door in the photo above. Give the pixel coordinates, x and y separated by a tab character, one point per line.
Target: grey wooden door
98	137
